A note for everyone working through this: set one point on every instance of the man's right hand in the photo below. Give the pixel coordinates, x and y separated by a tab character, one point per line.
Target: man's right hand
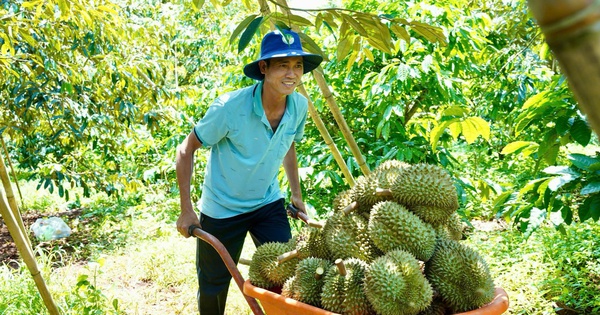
186	219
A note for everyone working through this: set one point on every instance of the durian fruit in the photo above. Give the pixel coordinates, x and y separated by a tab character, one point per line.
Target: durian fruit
426	185
388	171
310	242
437	307
364	194
347	236
289	288
433	215
341	201
343	288
392	226
395	285
460	275
452	228
309	280
265	265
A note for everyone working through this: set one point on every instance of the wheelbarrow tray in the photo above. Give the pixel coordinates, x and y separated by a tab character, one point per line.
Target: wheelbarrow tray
276	304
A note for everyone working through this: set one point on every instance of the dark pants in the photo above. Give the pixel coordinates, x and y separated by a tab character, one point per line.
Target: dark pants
266	224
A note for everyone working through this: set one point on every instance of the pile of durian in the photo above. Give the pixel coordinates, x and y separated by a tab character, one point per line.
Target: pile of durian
391	247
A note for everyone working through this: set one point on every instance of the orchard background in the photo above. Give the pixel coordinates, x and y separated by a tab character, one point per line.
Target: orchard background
96	95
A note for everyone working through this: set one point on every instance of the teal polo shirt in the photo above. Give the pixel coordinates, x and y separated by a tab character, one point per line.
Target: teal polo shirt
245	153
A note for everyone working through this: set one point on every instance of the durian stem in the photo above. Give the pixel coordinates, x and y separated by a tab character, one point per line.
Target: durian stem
341	267
351	207
319	273
383	192
287	256
244	261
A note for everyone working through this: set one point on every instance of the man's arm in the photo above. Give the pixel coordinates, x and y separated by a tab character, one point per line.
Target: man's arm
184	166
290	165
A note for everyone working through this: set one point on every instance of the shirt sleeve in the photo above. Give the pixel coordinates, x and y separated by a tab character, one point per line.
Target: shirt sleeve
214	125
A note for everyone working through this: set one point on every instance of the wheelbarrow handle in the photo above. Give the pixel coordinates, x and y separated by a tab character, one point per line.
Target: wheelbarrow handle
197	231
297	214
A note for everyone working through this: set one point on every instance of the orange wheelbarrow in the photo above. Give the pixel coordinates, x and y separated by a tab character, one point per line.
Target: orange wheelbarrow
276	304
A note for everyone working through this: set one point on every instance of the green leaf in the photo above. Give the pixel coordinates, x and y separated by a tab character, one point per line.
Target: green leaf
582	161
355	24
343	48
536	100
401	32
437	132
291	19
560	170
557	182
516	146
431	33
469	131
482	126
563	125
591	188
455	111
551	154
310	45
198	4
581	132
536	218
590	208
249	33
241	27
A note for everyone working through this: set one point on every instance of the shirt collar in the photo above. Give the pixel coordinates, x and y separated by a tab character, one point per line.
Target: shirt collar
257	101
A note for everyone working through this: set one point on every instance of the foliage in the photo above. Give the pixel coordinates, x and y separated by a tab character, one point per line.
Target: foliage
546	272
105	91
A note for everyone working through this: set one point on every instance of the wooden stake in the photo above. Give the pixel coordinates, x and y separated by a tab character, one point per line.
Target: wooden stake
319	273
12	202
287	256
26	253
383	192
351	207
244	261
571	28
341	267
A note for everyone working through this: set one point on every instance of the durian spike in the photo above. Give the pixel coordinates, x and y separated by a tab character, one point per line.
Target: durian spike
287	256
319	273
245	261
341	267
351	207
383	192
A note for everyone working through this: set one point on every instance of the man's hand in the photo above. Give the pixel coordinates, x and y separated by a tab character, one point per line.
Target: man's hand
186	219
299	204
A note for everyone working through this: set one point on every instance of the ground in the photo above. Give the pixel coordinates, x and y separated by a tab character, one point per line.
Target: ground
8	250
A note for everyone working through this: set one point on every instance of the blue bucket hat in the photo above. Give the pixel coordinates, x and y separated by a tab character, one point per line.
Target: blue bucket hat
277	44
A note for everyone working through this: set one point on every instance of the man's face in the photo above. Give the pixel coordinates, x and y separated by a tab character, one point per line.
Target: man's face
282	74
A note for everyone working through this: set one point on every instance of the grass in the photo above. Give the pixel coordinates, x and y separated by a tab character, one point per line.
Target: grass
125	257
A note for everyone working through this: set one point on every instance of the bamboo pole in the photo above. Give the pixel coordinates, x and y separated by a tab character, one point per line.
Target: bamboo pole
12	169
339	118
335	110
572	31
327	138
26	253
12	202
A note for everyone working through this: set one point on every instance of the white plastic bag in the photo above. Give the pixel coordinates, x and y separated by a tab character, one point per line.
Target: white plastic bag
51	228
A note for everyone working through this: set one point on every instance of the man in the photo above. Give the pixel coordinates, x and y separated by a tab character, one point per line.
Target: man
250	133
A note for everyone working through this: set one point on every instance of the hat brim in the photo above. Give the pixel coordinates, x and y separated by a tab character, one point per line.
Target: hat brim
311	62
